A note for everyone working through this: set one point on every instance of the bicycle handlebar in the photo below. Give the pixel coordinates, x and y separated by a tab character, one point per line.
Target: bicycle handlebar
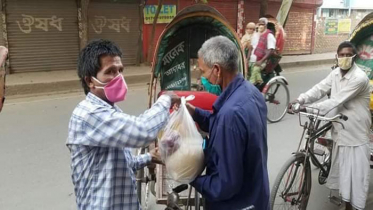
295	108
331	119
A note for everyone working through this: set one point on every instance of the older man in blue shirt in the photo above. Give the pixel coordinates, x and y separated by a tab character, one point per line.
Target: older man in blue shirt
236	153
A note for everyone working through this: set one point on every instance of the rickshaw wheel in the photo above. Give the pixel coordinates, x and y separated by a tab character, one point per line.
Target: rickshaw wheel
146	197
277	99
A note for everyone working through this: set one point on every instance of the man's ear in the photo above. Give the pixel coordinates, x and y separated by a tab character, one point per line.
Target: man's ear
89	82
355	57
218	70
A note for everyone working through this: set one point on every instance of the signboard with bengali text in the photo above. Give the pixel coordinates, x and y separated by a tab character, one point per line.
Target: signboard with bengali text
331	26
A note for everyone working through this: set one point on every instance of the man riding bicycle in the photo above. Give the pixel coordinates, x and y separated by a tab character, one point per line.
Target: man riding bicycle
264	44
349	91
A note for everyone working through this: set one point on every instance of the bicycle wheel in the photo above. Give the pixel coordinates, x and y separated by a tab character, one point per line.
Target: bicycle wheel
146	197
292	187
277	99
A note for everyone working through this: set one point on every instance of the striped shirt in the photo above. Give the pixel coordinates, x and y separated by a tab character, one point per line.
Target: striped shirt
99	139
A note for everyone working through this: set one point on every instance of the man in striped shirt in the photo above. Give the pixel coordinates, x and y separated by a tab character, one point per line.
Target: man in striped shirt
101	136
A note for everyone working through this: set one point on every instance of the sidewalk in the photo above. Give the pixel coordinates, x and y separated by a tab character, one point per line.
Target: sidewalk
67	81
63	81
307	60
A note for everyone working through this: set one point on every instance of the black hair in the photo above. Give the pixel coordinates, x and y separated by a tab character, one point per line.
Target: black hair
347	44
271	27
89	59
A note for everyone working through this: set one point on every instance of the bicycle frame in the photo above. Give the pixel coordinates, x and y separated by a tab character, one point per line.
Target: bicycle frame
315	136
312	134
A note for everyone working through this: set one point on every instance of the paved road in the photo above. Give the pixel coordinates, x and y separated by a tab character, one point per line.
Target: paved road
35	173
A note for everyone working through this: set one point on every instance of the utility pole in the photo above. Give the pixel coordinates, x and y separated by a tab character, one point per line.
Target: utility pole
152	44
263	8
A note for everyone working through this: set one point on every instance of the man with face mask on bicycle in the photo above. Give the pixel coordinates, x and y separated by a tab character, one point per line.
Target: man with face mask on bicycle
349	91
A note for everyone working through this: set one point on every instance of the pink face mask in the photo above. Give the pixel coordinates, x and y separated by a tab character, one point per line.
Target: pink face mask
115	90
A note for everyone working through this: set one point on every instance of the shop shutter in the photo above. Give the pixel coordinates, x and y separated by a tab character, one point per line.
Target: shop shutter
119	22
42	35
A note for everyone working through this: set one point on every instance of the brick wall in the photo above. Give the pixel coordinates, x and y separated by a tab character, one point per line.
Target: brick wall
298	27
329	43
299	31
326	43
228	8
252	9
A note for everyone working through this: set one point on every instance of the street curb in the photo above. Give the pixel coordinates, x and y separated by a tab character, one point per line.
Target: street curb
307	63
74	85
63	86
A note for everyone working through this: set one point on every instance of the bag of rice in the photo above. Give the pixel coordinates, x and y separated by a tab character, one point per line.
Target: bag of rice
180	145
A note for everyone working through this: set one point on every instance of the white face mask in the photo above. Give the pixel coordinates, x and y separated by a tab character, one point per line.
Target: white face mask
345	63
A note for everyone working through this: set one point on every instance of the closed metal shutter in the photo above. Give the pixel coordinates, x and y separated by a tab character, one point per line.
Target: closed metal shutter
118	22
42	35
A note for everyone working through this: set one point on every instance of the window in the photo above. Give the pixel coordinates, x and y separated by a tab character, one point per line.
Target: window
334	13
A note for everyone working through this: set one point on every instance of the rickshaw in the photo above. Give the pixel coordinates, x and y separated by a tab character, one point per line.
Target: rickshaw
362	38
174	67
274	87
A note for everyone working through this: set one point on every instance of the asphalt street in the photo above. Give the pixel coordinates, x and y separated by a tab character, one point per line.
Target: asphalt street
35	172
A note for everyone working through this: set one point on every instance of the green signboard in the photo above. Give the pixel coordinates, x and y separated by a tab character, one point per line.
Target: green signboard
331	26
175	65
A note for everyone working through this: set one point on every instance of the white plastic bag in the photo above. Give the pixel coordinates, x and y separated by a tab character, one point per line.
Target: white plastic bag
181	146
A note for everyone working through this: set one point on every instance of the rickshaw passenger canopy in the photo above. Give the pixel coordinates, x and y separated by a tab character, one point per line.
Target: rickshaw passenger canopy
181	41
362	38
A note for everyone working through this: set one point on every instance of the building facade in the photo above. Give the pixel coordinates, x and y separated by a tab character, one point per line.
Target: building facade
46	35
300	26
335	21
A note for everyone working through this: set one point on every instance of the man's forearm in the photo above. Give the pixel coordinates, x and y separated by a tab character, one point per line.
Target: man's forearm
269	53
191	109
141	161
202	118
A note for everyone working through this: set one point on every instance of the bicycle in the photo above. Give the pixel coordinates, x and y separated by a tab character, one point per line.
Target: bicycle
147	176
295	191
277	97
173	199
275	92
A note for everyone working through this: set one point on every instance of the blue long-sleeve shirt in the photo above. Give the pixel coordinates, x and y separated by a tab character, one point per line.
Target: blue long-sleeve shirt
236	153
